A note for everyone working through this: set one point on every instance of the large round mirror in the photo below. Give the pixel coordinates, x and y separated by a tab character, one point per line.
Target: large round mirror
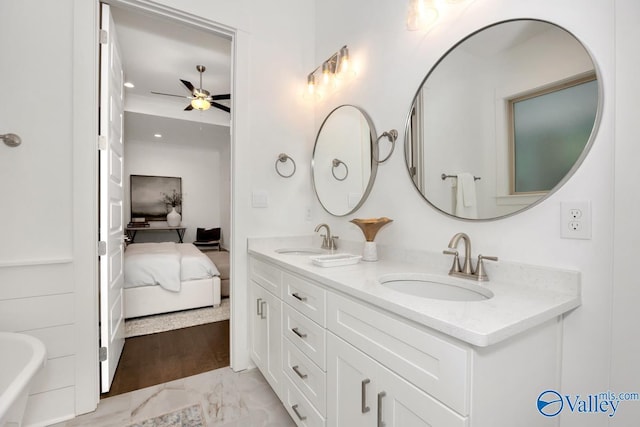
343	166
502	120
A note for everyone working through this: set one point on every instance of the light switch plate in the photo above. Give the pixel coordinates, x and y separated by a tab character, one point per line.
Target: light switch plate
259	199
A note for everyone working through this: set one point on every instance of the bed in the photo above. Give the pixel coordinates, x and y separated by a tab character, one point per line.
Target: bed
168	276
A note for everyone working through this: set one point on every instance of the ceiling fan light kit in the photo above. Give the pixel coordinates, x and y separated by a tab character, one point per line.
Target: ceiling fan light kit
201	99
200	104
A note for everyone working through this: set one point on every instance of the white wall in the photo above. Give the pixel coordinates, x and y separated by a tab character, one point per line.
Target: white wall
393	62
625	373
48	185
202	170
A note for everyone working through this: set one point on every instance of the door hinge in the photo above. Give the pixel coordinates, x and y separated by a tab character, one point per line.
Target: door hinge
102	354
102	142
102	248
104	37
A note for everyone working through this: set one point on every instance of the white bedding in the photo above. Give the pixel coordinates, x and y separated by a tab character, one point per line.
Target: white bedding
165	264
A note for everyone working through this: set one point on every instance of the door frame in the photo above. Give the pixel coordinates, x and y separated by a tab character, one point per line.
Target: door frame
240	358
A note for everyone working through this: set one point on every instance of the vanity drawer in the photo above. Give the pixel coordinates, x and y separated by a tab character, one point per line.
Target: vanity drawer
432	363
306	375
308	336
266	275
304	296
299	407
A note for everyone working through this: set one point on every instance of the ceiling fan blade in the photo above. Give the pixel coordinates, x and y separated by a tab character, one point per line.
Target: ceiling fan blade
221	107
188	108
188	86
217	97
170	94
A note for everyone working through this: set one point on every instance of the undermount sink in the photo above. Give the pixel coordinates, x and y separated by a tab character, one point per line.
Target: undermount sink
434	287
300	251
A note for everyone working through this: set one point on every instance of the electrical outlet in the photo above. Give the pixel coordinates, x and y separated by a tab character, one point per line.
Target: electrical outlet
575	220
575	213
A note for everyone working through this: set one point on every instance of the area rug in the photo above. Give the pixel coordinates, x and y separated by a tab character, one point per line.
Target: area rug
187	417
179	319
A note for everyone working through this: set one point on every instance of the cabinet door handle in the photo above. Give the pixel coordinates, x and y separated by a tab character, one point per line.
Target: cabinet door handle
298	333
297	371
262	313
295	409
380	396
298	297
258	307
365	408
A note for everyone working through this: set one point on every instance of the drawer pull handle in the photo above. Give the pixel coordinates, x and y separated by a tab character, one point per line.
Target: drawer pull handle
258	307
262	313
295	409
297	371
380	396
298	333
365	408
298	297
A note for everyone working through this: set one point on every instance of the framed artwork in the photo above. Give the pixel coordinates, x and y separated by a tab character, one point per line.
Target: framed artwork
152	197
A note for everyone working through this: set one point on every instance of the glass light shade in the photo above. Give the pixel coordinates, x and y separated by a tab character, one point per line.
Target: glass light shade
326	73
422	14
200	104
311	84
344	60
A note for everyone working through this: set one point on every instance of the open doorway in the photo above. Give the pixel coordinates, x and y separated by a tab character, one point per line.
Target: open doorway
165	136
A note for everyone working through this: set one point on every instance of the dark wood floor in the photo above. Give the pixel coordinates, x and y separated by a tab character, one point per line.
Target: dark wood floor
166	356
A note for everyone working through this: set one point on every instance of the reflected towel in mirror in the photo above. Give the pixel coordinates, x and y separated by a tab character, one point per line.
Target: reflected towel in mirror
466	204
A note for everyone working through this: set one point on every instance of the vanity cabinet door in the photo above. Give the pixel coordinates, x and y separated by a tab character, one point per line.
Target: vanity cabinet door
351	393
266	335
404	405
362	392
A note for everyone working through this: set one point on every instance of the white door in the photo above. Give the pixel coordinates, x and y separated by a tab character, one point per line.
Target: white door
111	196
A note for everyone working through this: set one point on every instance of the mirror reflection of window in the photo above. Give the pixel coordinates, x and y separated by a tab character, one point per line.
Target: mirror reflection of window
550	128
459	120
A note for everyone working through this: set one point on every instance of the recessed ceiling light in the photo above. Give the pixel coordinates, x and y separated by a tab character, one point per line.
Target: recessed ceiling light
158	135
129	85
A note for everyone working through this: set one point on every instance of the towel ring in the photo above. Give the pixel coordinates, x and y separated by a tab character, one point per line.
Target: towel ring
282	158
335	164
391	135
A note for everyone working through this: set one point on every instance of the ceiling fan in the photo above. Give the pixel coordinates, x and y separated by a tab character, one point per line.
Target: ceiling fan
200	99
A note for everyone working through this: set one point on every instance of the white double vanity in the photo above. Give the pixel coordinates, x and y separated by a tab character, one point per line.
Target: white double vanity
341	349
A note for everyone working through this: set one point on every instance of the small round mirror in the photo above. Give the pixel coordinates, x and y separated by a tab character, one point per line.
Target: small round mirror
343	166
503	119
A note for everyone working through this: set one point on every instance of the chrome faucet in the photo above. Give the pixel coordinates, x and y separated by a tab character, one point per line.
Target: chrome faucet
466	270
328	241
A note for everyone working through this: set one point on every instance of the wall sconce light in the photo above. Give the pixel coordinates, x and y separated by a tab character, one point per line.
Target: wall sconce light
336	66
422	14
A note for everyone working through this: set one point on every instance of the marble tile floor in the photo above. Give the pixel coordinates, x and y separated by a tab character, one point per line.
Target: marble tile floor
228	399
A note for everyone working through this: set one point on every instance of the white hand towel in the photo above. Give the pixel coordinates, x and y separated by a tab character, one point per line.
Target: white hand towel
466	204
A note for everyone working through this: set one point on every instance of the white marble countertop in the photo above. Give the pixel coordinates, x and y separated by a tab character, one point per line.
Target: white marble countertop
524	296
